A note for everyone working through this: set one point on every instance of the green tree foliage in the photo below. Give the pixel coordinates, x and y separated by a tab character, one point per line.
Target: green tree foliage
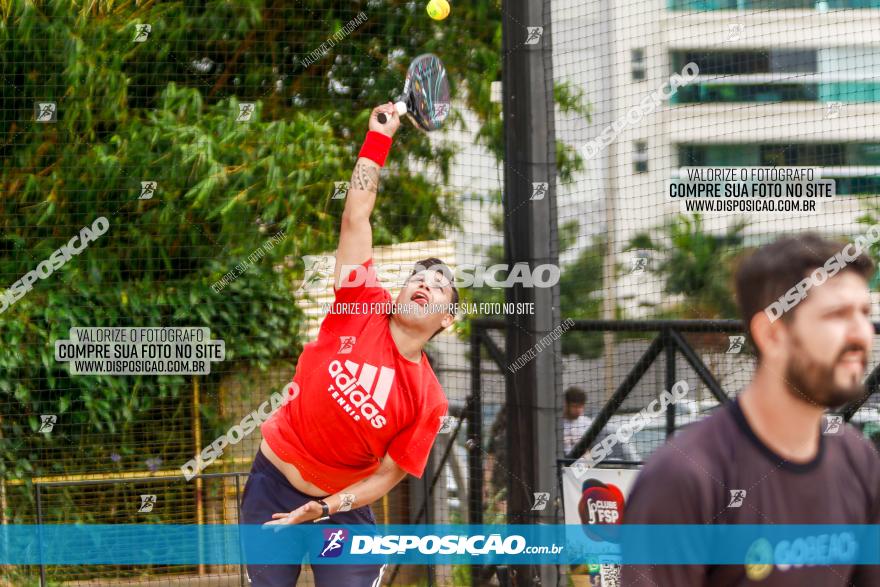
581	298
869	219
695	265
165	110
580	287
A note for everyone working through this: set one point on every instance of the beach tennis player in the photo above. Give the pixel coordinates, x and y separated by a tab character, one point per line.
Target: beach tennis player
368	405
772	456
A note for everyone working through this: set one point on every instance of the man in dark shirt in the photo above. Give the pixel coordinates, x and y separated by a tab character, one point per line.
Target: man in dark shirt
765	458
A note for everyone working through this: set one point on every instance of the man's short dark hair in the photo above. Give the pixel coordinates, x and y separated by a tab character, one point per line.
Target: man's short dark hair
575	396
435	264
770	271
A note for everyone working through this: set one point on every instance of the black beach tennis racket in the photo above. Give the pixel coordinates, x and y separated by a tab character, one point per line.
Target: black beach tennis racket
425	98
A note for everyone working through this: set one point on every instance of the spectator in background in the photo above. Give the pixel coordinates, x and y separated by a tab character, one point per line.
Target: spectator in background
574	422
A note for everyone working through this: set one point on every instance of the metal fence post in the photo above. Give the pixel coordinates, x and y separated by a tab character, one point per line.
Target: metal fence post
475	441
39	503
670	380
531	238
241	565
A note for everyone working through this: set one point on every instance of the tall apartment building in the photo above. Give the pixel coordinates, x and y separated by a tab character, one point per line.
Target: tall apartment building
781	83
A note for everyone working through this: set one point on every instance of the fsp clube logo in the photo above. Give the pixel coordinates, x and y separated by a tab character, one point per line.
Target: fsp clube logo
334	540
600	503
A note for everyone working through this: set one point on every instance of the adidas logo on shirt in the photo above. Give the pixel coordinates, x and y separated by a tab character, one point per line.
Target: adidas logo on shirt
361	390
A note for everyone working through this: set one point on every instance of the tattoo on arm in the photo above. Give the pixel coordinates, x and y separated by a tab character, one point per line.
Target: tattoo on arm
346	501
365	177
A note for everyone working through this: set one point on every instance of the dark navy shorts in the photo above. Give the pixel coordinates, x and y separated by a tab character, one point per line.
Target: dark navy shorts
269	492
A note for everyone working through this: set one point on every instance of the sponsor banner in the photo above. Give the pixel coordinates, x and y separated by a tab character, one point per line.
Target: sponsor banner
616	481
597	497
328	543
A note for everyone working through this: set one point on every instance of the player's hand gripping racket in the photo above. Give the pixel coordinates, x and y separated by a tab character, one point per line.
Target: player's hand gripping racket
425	98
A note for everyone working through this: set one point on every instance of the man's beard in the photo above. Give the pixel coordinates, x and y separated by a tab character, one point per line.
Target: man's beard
813	382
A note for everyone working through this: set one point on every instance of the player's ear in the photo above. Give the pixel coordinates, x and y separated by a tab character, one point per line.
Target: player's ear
447	320
767	335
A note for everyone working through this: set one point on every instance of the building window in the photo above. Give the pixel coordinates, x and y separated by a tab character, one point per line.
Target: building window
834	155
640	157
745	62
638	64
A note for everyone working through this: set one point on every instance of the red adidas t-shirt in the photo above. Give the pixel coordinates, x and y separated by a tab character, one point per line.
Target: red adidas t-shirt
359	399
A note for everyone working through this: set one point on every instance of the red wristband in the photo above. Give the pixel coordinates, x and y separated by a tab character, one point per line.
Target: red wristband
376	147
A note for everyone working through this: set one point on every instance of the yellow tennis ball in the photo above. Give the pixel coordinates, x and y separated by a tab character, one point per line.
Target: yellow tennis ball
438	9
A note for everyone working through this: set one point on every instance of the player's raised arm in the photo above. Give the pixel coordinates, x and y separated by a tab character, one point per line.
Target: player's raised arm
356	235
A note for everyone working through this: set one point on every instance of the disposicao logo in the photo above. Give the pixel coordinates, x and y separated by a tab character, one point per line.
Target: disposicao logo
334	540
